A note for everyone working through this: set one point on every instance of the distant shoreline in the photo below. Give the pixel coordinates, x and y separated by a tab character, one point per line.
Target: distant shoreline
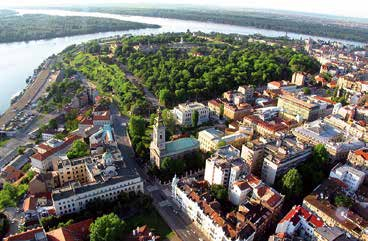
25	28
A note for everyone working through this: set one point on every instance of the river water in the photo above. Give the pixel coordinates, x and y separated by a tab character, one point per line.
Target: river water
19	59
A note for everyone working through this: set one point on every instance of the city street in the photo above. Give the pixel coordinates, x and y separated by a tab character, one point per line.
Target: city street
163	203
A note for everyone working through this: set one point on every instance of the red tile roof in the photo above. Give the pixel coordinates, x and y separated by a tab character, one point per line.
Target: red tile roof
297	213
69	140
362	152
28	235
74	232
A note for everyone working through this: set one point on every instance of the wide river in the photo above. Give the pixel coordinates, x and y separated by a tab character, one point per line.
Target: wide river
19	59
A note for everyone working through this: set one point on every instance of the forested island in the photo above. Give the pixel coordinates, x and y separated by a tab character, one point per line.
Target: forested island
287	22
28	27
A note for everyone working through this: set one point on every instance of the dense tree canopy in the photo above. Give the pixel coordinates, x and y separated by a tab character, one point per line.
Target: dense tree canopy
36	26
106	228
176	76
326	27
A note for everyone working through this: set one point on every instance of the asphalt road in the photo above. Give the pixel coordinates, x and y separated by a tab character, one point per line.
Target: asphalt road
178	221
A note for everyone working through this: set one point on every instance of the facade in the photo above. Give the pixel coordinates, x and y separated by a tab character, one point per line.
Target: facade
252	152
231	110
265	128
282	156
299	223
225	166
42	160
183	113
249	222
209	139
352	177
337	142
107	184
160	149
299	78
321	203
303	108
359	159
251	187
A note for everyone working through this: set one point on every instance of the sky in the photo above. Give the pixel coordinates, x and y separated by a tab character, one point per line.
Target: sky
350	8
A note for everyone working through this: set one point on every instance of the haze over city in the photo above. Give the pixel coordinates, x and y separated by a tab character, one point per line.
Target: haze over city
353	8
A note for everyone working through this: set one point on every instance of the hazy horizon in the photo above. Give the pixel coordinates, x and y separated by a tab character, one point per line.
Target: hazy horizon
355	8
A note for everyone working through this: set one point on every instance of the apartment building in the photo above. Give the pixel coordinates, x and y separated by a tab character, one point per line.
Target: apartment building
321	203
303	108
108	180
250	187
209	139
282	156
352	177
336	141
265	128
183	113
231	110
359	159
299	223
42	160
252	152
225	166
248	222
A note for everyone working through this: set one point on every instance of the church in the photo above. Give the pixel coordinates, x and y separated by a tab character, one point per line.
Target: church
160	148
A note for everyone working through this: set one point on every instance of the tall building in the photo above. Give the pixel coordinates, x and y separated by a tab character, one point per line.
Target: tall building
282	156
225	166
160	148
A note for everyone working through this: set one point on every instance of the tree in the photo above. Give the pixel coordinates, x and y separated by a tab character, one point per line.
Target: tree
292	184
79	149
172	166
106	228
137	126
320	156
221	111
165	96
219	192
221	143
169	121
52	124
341	200
195	117
307	91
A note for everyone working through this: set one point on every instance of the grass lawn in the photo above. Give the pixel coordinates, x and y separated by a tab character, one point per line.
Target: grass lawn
154	222
3	141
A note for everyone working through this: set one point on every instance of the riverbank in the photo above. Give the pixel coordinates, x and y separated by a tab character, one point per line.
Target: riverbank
26	27
336	28
19	59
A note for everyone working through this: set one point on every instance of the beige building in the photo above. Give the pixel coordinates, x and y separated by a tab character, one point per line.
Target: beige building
304	108
210	139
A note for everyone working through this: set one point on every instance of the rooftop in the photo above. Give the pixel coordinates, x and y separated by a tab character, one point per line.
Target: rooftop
181	145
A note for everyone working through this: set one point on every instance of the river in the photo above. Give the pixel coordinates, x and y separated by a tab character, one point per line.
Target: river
19	59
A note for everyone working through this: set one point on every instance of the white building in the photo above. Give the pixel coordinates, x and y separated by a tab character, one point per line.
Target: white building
251	187
352	177
225	166
183	113
208	223
74	198
282	156
299	222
